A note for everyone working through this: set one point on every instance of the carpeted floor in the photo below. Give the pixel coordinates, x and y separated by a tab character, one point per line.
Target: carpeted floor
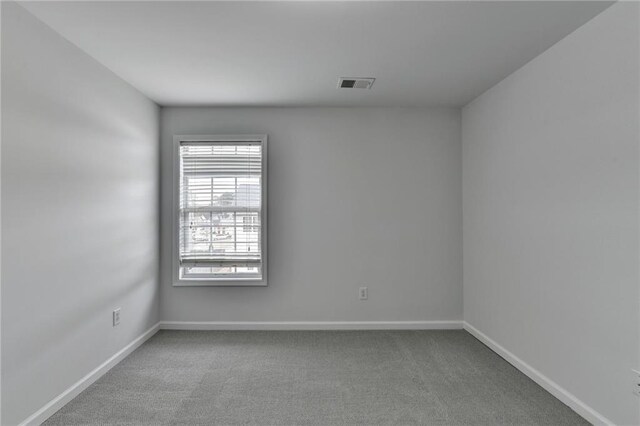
314	378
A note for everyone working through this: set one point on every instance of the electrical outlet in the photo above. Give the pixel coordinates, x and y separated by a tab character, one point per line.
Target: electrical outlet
116	317
636	382
363	294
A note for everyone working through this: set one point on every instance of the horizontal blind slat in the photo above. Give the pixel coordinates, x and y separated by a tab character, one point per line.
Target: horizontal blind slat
221	209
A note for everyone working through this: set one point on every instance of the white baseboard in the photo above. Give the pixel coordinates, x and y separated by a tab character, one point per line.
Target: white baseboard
549	385
61	400
311	325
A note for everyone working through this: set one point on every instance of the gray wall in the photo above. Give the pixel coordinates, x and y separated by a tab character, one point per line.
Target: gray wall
79	213
550	159
357	197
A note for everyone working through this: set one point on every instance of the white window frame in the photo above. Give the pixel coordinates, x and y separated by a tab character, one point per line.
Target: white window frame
222	281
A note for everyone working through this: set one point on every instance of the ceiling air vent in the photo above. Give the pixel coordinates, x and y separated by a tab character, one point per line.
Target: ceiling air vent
355	82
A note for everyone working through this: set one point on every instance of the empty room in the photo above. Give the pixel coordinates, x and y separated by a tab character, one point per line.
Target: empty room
320	213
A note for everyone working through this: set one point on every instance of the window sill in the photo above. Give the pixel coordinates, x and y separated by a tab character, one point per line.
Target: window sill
237	282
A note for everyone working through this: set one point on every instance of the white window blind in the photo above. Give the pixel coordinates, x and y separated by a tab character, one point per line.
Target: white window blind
221	209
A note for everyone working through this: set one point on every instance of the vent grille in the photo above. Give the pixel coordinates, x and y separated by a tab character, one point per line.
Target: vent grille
355	82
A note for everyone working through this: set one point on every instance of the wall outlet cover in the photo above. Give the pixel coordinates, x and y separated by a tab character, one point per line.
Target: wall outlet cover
363	293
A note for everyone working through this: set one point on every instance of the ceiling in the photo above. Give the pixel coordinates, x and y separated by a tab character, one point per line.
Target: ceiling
292	53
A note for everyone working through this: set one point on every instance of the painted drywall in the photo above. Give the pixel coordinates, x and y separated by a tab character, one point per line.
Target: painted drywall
79	213
550	166
357	197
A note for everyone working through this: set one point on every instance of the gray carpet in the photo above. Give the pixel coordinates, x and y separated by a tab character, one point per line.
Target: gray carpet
314	378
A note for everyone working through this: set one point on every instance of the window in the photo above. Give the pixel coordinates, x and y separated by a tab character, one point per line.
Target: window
250	223
220	206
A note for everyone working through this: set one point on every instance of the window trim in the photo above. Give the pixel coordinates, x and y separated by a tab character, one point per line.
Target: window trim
177	281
